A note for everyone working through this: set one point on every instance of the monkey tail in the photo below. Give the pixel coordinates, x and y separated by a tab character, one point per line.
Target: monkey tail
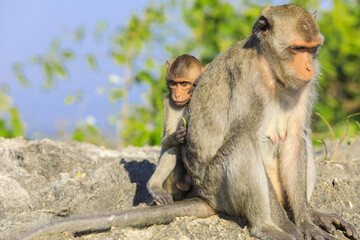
129	218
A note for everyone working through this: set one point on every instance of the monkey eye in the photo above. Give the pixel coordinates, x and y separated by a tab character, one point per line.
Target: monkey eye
313	50
184	84
172	83
298	48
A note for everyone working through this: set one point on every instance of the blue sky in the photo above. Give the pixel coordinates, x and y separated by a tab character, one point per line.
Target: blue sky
27	28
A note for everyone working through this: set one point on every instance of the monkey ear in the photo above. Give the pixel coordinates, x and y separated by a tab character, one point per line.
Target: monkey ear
314	14
262	26
167	64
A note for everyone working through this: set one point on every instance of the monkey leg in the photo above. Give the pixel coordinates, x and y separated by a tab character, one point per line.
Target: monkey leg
280	216
166	165
176	184
297	169
235	182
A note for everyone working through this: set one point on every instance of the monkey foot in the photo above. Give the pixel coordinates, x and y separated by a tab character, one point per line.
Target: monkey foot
311	231
268	231
331	221
163	197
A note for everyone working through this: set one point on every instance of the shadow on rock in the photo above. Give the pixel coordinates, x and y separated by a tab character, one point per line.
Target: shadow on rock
140	173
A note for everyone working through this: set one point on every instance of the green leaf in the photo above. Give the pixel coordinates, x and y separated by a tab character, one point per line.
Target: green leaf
73	98
100	30
17	126
184	121
5	102
91	61
35	59
60	71
118	58
144	77
20	77
116	95
68	54
79	34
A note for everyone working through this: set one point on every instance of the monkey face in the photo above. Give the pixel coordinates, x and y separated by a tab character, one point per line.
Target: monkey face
180	90
291	46
303	62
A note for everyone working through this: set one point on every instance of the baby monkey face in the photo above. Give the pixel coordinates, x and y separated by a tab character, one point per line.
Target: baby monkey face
180	90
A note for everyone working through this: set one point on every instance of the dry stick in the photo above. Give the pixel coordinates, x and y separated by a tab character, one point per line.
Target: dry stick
357	123
332	133
326	151
346	132
347	125
348	149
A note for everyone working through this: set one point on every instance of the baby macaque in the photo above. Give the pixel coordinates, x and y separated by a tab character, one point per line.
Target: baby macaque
171	180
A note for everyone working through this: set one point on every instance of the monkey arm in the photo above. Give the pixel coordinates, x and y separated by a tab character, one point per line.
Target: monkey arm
310	166
165	166
173	132
293	167
169	141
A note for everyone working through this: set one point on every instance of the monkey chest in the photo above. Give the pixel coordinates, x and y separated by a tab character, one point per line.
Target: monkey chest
172	119
273	132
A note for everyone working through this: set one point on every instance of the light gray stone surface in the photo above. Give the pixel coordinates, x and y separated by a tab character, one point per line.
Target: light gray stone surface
44	180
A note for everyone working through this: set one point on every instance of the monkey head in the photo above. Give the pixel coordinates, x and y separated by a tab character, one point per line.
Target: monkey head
180	78
290	40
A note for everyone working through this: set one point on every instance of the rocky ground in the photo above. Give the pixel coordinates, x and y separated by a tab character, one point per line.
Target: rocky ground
45	180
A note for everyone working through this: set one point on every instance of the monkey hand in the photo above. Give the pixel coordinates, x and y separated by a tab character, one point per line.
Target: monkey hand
331	221
180	134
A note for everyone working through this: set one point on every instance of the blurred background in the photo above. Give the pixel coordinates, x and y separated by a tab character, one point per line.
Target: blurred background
95	71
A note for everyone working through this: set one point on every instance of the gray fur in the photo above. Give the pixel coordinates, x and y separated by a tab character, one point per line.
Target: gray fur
248	117
135	217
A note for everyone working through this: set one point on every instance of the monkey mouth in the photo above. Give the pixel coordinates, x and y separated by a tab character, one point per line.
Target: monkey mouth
181	103
303	81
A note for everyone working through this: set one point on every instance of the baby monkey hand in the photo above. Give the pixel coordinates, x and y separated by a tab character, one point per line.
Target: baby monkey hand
180	134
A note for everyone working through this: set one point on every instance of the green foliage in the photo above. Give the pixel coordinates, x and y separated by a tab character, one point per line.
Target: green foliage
77	97
100	30
339	89
20	75
144	126
10	121
215	26
87	131
79	35
205	29
91	61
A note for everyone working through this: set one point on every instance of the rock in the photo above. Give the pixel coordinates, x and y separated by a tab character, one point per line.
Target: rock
45	180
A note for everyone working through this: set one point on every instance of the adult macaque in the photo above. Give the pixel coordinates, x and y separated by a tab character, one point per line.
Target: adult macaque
247	148
170	180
